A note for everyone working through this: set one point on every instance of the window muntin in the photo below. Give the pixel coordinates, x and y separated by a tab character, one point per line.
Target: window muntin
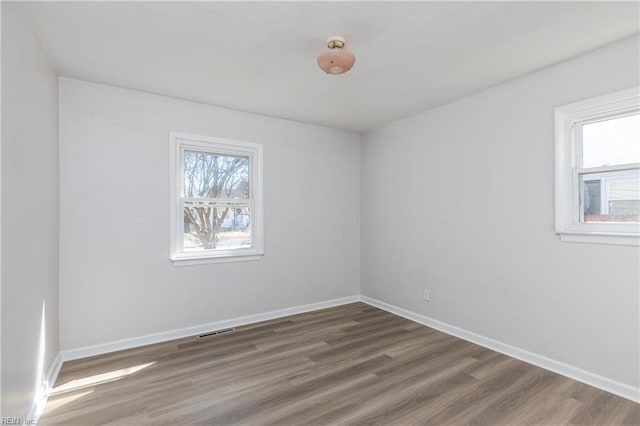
216	199
598	169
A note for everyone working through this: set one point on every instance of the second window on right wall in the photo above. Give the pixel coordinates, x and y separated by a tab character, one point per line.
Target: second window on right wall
598	169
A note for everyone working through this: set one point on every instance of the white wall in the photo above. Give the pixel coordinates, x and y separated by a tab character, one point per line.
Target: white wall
116	280
29	213
459	200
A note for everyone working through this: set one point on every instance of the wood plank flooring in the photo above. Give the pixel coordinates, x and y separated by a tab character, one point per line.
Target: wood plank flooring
352	364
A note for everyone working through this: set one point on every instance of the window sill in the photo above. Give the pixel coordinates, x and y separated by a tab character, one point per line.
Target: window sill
600	238
188	261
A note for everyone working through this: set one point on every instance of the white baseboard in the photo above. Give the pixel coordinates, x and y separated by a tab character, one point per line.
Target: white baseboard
118	345
608	385
42	394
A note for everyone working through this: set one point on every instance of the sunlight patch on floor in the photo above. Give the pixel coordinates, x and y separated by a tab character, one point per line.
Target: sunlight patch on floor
99	378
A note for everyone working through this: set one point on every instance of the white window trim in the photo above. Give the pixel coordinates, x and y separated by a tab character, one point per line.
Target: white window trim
568	121
178	142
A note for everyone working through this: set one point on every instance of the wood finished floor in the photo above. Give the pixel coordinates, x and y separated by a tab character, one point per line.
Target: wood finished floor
352	364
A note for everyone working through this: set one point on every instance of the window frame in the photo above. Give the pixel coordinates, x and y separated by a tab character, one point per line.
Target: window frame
569	120
179	142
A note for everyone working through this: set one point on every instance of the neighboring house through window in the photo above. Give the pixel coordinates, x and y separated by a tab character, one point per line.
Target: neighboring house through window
216	199
598	169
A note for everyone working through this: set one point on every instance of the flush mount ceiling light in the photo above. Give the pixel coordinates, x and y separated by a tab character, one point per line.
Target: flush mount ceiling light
336	60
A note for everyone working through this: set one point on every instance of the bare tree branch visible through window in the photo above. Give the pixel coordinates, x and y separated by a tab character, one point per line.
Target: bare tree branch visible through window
213	177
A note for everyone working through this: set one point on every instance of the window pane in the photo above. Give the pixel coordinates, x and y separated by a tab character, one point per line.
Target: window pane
611	196
209	175
611	142
212	228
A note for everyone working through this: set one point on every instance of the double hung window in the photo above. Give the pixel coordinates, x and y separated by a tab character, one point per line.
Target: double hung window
598	169
216	199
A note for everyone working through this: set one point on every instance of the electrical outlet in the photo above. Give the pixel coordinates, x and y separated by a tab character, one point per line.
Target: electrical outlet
427	296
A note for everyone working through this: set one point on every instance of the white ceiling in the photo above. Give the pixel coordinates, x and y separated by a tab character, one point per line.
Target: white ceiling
261	57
